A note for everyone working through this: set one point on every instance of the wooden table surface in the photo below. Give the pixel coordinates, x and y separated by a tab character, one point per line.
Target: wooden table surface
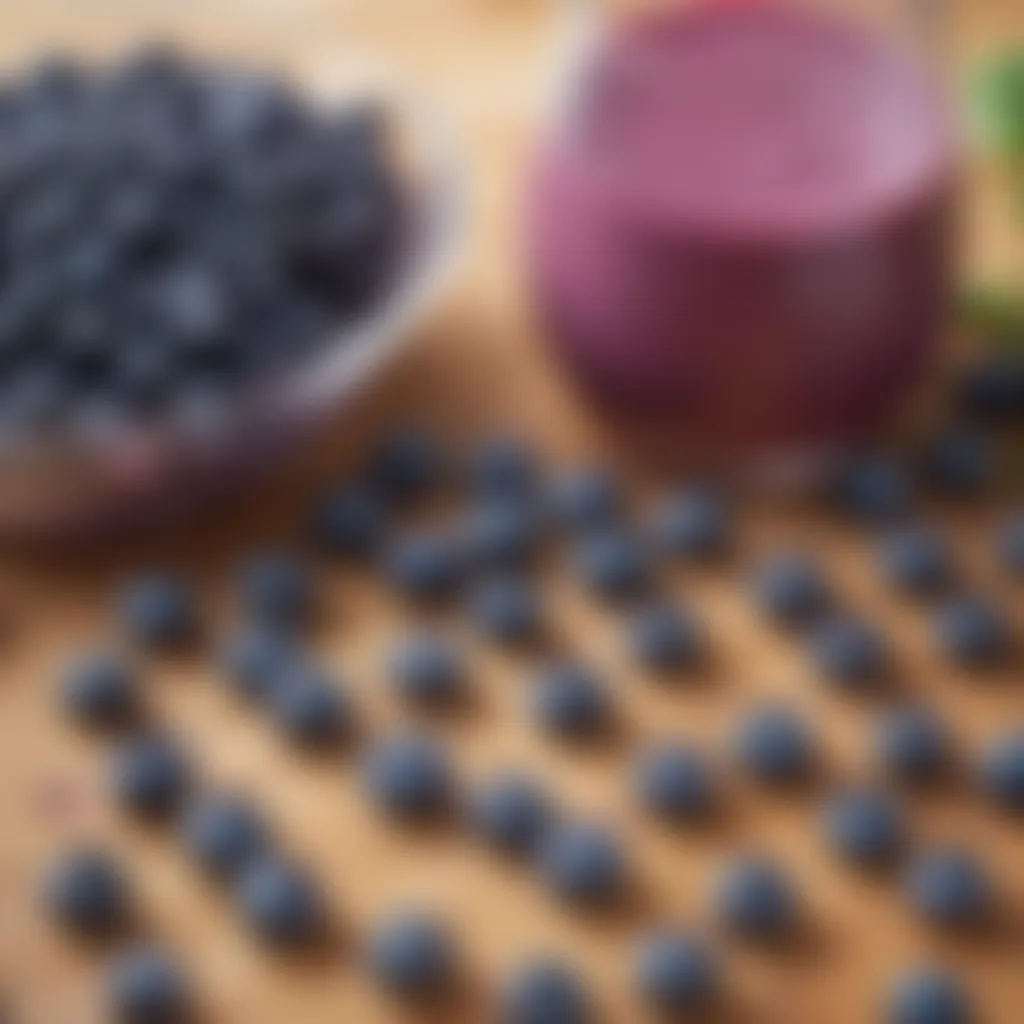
477	366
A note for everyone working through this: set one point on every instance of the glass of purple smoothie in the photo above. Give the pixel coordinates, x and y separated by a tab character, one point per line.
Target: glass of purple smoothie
740	226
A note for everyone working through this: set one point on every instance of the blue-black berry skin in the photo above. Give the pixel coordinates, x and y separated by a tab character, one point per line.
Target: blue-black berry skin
676	973
850	654
511	812
927	995
972	633
613	564
692	525
583	865
916	562
913	746
1009	546
775	746
258	657
865	827
503	467
409	778
277	590
676	783
507	609
159	611
790	591
427	671
309	708
756	899
990	392
86	892
100	691
958	463
347	522
502	533
224	834
872	489
406	465
585	499
570	702
280	903
426	566
412	955
1002	771
949	887
147	987
544	991
665	638
149	776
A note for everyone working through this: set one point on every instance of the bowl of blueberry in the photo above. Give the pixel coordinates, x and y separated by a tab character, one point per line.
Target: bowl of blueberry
198	262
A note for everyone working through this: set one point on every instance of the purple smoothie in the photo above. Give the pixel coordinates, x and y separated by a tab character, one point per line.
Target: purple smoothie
743	230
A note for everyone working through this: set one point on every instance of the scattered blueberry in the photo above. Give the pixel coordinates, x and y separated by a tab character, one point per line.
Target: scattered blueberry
775	745
159	611
586	498
569	701
872	488
755	899
147	987
613	564
412	955
503	467
665	638
406	465
100	691
927	995
913	745
224	834
409	777
309	707
1002	771
507	609
280	903
676	782
676	973
149	776
426	565
990	392
972	633
511	812
544	991
583	864
790	590
916	561
86	892
257	657
692	524
501	533
948	886
865	827
428	671
957	463
849	653
277	590
346	523
1010	546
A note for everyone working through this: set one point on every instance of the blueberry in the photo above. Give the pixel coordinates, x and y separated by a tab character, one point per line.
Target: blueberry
676	973
872	488
256	658
309	708
864	827
570	702
790	590
100	691
149	776
972	633
511	812
545	991
927	995
412	955
1010	546
409	777
159	611
425	566
427	671
776	746
224	834
948	886
86	892
507	609
957	463
664	638
676	782
147	987
346	523
277	590
1002	771
587	498
502	534
583	864
913	745
503	467
692	524
916	561
755	899
280	903
405	465
849	653
613	564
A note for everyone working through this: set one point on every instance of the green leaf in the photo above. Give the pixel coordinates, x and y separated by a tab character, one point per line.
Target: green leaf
997	102
996	312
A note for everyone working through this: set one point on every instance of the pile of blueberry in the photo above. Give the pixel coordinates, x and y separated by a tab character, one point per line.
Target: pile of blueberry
172	232
510	516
